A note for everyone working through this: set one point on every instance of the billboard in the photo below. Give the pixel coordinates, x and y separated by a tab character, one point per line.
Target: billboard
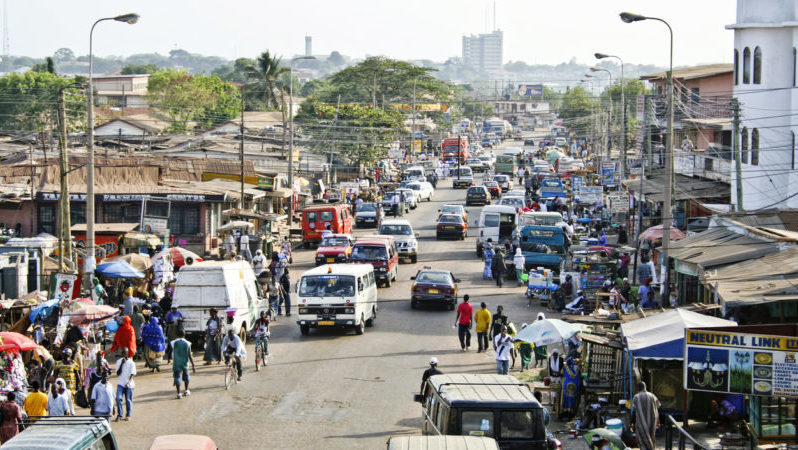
590	194
609	174
530	90
741	363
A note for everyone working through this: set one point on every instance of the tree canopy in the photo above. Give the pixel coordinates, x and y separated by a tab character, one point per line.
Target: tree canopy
29	101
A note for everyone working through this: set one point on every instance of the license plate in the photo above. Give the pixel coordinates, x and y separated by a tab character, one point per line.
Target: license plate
330	259
448	228
433	291
326	322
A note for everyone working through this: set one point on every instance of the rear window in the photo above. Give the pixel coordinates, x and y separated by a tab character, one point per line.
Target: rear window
491	220
476	190
326	216
477	423
434	277
451	219
520	424
311	215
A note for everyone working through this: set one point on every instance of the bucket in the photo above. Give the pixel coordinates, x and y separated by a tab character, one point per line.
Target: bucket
615	425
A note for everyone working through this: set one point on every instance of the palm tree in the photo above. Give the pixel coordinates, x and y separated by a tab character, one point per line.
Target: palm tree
265	75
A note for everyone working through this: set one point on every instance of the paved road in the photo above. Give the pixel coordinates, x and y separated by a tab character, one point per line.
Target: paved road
333	388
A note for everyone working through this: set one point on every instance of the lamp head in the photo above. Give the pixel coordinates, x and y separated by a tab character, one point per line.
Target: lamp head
632	17
130	18
587	75
594	69
601	55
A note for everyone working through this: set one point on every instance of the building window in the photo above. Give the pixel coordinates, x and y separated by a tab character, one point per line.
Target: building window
737	64
122	212
744	146
757	66
695	96
755	147
746	66
184	219
46	219
77	212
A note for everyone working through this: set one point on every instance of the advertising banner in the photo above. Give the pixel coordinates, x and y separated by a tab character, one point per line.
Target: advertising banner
577	182
62	286
739	363
609	174
590	194
530	90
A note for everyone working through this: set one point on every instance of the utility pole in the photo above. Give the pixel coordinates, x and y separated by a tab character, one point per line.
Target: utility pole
738	166
64	235
32	192
639	202
241	152
332	148
413	126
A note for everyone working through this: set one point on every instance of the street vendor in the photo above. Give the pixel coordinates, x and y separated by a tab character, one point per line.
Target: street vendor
555	368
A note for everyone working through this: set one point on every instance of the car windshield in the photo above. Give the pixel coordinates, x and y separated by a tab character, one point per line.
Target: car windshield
434	277
366	207
451	218
334	241
512	201
551	183
415	187
491	184
501	178
396	229
369	253
465	172
327	286
450	209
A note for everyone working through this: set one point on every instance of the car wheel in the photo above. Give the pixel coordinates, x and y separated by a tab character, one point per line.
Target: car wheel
370	321
388	282
414	259
451	305
413	304
360	328
304	329
438	236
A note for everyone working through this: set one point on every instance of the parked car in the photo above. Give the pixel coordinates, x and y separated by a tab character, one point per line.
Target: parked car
453	209
451	225
406	241
424	190
433	286
335	248
369	215
477	195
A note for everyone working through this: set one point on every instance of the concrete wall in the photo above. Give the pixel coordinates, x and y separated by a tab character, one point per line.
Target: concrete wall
114	127
11	217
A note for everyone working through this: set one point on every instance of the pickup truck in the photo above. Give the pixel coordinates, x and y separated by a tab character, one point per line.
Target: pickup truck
552	187
542	247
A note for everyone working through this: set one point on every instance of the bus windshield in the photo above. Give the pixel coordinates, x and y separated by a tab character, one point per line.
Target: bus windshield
369	253
327	286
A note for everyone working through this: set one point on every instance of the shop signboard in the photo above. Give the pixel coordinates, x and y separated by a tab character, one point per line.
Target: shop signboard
155	225
350	188
609	174
577	182
590	194
62	285
618	201
741	363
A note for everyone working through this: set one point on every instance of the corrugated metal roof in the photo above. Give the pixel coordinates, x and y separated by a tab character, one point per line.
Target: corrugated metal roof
716	247
482	387
694	72
684	188
772	278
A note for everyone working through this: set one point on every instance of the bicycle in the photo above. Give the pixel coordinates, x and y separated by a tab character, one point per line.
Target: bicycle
230	372
261	357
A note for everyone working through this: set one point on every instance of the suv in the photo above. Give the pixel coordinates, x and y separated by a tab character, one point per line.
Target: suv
369	214
387	205
66	432
463	179
402	231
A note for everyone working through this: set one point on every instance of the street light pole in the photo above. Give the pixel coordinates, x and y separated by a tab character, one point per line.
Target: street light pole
667	213
89	260
413	126
623	113
291	135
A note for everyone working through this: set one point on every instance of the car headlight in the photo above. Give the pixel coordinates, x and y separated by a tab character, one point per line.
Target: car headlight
349	310
381	269
342	255
303	311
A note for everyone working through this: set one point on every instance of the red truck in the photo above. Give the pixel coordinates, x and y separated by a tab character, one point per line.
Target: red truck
450	146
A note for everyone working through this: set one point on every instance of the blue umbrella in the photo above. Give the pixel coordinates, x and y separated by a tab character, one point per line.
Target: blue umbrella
547	331
119	269
43	310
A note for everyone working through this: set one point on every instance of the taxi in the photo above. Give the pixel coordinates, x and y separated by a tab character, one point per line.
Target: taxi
433	286
334	248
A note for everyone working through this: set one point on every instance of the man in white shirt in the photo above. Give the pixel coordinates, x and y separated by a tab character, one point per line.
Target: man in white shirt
232	347
243	246
102	398
503	344
125	370
229	244
396	201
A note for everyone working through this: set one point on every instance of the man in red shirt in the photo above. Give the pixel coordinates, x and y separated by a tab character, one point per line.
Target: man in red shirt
464	314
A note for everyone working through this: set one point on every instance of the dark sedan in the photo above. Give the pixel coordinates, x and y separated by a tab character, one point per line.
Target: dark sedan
477	195
433	286
451	225
494	189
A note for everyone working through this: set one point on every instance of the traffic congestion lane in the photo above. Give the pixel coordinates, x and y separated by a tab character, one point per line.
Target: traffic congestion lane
332	387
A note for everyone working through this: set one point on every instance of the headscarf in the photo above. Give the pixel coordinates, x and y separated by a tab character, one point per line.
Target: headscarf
95	281
541	316
153	336
519	260
125	337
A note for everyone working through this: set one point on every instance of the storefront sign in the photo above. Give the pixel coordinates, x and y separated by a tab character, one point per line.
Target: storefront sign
618	201
55	196
155	225
609	174
740	363
577	182
590	194
62	285
187	198
266	183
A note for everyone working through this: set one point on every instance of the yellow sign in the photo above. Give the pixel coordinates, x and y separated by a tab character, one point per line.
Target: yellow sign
208	176
417	144
753	341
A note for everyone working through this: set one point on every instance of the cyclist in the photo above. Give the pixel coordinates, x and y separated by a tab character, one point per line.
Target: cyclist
233	347
262	332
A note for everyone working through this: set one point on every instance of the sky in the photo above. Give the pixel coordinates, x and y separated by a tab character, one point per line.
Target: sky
535	31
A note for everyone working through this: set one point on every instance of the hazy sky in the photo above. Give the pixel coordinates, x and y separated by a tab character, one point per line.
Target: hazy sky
536	31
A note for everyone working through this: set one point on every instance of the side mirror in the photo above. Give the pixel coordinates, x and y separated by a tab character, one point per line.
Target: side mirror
456	280
413	277
417	235
418	398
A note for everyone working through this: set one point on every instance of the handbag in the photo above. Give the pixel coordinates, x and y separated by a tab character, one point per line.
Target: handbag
81	399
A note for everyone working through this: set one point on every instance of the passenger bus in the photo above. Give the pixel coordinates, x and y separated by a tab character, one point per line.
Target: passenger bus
450	146
507	164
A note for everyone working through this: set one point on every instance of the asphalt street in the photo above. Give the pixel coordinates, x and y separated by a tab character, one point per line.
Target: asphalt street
333	388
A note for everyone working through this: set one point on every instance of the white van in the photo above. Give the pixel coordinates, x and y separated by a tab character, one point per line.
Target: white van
498	223
219	285
337	295
546	219
414	173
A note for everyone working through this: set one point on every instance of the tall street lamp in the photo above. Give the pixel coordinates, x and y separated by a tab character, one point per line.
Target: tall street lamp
623	112
609	111
667	214
88	261
291	134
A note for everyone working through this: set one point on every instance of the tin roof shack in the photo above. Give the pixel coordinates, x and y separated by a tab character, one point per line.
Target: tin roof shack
754	367
604	362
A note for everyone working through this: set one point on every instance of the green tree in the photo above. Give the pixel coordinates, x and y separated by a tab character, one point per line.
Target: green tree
64	54
34	97
47	66
336	58
264	86
182	97
135	69
312	87
576	103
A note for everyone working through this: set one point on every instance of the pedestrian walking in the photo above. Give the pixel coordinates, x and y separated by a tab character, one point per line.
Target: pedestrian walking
555	369
483	320
498	320
499	267
11	415
645	417
229	245
433	370
285	292
488	254
181	351
525	350
503	344
463	322
125	371
58	399
213	338
287	250
258	262
243	246
519	260
102	398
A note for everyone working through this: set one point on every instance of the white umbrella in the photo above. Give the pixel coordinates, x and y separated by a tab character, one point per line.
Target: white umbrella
235	224
547	332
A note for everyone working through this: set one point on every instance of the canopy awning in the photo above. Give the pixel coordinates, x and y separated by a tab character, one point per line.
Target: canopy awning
662	336
138	239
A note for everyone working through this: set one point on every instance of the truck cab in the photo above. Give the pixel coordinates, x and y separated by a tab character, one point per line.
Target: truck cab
543	246
498	223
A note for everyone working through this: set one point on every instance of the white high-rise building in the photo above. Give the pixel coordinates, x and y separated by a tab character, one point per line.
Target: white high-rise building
765	80
483	52
308	45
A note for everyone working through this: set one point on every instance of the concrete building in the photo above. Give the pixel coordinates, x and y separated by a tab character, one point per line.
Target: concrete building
121	90
484	52
308	46
765	42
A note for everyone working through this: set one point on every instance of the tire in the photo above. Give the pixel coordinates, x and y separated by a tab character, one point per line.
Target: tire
229	376
437	236
243	333
306	245
451	306
370	320
360	328
258	358
413	304
414	259
388	282
304	329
